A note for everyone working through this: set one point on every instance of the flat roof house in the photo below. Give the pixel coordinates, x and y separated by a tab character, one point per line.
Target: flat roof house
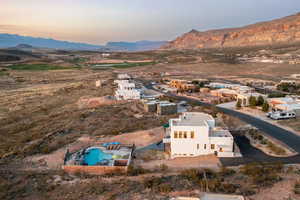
285	104
195	134
127	90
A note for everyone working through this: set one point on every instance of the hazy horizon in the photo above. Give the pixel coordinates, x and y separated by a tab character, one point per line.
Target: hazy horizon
101	21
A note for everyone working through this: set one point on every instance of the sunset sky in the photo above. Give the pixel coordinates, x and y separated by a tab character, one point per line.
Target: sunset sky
100	21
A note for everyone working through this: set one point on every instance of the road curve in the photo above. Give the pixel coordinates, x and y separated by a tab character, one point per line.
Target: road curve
289	138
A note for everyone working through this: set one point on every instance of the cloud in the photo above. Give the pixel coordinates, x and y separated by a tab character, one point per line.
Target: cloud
10	28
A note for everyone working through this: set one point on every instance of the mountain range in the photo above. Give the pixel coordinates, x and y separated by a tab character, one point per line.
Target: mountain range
135	46
280	31
12	40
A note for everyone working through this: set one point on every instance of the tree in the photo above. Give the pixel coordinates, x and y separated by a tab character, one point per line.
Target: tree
260	101
238	104
265	107
252	101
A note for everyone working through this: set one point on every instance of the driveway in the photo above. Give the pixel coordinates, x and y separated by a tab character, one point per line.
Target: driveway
252	154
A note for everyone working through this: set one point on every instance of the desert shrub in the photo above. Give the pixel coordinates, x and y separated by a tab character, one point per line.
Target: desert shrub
263	174
192	175
96	188
135	171
164	188
158	184
276	149
196	175
247	191
226	172
238	104
260	137
162	168
152	182
264	142
297	187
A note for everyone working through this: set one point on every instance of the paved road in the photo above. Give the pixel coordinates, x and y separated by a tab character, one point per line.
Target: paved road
285	136
250	153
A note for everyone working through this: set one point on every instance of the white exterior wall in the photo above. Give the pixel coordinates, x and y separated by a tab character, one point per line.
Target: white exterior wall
127	91
201	143
187	146
223	145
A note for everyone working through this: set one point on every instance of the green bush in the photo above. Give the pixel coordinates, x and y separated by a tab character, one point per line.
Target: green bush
238	104
265	107
252	101
260	101
276	95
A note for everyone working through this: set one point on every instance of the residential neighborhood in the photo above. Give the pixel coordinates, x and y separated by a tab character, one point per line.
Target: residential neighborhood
150	100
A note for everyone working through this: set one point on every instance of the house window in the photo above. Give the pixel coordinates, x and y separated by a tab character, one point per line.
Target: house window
185	134
192	134
175	134
212	146
180	134
198	146
204	146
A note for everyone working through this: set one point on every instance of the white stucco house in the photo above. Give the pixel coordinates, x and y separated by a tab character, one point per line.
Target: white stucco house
195	134
127	90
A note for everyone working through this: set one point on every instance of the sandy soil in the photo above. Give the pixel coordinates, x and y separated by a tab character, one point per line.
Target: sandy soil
114	61
280	191
209	161
93	102
139	138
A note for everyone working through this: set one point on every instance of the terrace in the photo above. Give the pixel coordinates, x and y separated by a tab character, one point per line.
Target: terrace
109	154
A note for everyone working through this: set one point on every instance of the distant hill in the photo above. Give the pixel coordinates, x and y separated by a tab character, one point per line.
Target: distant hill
27	42
135	46
11	40
24	46
281	31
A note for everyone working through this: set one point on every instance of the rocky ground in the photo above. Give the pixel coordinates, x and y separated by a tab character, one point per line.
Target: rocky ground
43	113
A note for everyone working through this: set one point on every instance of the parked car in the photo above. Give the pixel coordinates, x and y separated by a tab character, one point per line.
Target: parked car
277	115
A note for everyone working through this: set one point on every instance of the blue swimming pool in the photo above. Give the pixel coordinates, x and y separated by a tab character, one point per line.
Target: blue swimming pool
96	156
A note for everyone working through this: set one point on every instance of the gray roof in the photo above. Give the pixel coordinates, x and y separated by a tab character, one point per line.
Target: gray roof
192	119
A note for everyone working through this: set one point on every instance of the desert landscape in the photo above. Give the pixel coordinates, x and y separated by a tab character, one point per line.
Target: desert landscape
208	113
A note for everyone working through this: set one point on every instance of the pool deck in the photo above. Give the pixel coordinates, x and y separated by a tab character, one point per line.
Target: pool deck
105	156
